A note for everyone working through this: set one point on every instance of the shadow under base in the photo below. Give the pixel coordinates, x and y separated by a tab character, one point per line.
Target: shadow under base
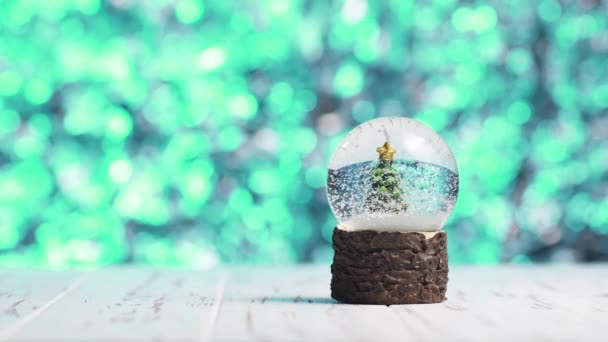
388	268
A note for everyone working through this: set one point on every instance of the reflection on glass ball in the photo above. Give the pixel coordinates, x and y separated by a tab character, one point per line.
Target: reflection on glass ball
392	174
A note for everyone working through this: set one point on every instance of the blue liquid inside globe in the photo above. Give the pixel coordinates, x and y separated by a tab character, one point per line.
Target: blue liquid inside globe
429	190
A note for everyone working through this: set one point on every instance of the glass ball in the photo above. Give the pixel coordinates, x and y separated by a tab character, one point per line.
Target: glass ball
392	174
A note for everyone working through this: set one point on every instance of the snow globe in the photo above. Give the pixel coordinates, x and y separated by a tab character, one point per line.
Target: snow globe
392	185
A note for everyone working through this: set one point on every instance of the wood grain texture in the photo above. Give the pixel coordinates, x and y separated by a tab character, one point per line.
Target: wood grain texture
505	303
25	294
294	304
130	304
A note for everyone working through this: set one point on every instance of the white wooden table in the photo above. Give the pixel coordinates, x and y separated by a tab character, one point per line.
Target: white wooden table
506	303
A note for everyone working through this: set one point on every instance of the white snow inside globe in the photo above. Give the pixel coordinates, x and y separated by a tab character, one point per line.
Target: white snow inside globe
392	174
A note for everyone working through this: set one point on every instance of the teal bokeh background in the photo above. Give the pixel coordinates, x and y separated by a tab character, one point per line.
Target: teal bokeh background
188	132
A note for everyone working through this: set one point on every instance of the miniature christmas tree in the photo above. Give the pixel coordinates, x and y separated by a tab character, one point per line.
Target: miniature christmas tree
385	194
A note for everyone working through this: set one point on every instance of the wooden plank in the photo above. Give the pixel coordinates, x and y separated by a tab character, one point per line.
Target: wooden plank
557	303
293	304
516	303
25	294
131	304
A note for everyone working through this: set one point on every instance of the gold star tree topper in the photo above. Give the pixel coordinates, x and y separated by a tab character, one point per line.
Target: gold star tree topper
386	151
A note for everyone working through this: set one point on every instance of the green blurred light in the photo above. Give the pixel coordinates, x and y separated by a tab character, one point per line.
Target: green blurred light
363	111
426	18
10	83
599	219
348	80
519	61
38	91
435	118
53	11
306	138
290	163
280	212
196	185
119	124
120	171
446	97
240	199
599	96
265	181
14	184
153	211
20	13
519	112
521	259
565	95
485	18
142	198
550	151
491	46
182	148
253	217
83	251
212	58
114	64
462	18
480	19
280	98
9	121
597	160
587	25
486	252
88	7
461	50
549	10
153	250
367	51
466	205
366	47
85	112
469	73
278	7
29	146
230	138
316	176
577	172
244	105
9	229
149	114
189	11
40	124
497	213
12	189
308	99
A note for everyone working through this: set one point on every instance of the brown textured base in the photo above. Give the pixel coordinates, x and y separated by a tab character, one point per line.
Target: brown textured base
389	267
